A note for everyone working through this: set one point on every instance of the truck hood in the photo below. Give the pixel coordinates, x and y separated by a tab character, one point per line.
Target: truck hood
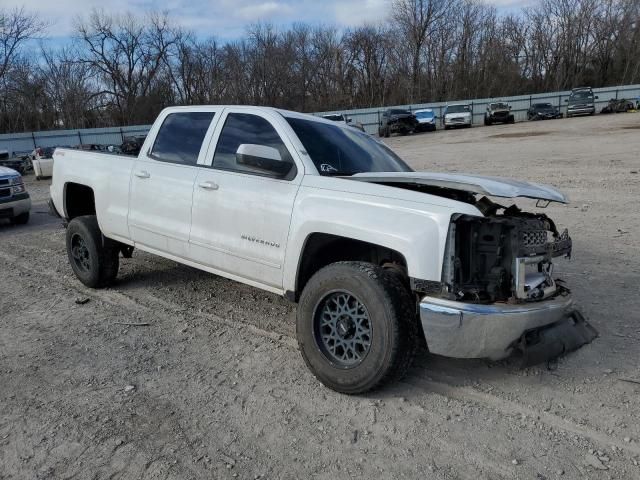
492	186
8	172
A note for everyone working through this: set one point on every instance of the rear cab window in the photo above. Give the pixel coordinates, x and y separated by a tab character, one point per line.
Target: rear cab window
180	137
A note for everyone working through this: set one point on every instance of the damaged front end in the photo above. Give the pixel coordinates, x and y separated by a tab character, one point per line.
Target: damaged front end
499	292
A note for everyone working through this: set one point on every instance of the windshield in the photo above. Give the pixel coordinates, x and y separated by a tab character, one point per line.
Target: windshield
582	95
458	108
424	114
543	106
499	106
399	112
344	151
333	118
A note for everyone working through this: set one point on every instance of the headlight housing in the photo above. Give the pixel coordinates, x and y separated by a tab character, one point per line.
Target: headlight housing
17	185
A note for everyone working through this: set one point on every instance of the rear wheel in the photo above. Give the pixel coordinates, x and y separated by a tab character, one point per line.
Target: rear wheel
387	133
356	327
93	257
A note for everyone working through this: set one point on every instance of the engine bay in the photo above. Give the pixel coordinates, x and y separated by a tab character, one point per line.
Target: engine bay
505	256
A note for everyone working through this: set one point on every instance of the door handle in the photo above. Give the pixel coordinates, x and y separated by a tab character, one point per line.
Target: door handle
142	174
208	185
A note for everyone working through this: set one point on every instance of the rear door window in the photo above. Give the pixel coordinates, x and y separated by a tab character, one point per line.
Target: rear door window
180	137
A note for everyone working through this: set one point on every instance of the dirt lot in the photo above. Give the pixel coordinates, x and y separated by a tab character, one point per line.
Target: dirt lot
213	386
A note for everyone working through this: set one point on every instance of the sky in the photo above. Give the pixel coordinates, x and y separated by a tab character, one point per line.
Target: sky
224	19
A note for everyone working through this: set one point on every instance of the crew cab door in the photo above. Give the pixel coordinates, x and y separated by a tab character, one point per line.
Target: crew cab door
163	179
241	213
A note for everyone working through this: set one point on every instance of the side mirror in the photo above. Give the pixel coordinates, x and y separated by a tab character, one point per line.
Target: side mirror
509	107
263	158
349	120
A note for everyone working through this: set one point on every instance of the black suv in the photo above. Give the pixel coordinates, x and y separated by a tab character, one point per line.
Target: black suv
396	120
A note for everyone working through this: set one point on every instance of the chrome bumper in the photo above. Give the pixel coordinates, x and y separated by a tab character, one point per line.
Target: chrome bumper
466	330
581	110
10	208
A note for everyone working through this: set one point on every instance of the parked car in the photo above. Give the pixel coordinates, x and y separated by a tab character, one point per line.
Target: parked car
581	102
426	120
375	254
339	117
42	160
132	145
620	105
15	202
19	163
498	112
543	111
397	120
457	115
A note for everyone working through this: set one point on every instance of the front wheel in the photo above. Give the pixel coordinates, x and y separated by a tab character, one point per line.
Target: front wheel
356	327
93	257
21	219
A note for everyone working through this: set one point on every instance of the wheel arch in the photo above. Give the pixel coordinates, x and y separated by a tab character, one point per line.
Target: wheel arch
321	249
78	200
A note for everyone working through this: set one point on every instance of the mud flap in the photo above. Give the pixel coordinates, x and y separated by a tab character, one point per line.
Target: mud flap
547	343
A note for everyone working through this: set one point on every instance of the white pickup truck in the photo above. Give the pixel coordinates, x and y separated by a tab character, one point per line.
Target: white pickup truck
376	255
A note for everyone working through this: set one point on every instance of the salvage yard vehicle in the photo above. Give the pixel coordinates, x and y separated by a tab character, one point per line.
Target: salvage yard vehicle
339	117
426	120
498	112
42	160
397	120
19	163
581	102
618	105
15	202
543	111
376	255
457	115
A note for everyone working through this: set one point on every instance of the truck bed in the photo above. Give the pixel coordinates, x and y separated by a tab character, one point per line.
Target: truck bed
107	174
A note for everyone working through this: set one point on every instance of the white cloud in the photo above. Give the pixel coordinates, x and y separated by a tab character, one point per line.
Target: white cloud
264	11
349	13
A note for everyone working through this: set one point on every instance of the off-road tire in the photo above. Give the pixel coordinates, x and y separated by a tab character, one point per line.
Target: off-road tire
392	317
387	132
487	122
21	219
102	253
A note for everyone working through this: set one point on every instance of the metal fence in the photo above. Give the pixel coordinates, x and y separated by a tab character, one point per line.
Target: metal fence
20	143
370	117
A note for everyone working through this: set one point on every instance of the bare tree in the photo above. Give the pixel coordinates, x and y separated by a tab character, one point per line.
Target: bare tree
415	19
16	28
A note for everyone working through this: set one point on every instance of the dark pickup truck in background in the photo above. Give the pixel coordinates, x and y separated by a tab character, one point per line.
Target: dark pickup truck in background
396	120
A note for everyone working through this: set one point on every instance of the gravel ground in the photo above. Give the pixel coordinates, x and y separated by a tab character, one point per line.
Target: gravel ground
212	386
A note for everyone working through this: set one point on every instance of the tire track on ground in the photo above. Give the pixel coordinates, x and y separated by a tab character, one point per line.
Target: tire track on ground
460	393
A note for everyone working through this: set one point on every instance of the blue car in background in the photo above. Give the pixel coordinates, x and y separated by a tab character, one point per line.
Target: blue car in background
426	120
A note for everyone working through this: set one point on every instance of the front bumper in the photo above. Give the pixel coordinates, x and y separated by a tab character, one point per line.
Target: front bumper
581	111
466	330
425	127
457	121
16	205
